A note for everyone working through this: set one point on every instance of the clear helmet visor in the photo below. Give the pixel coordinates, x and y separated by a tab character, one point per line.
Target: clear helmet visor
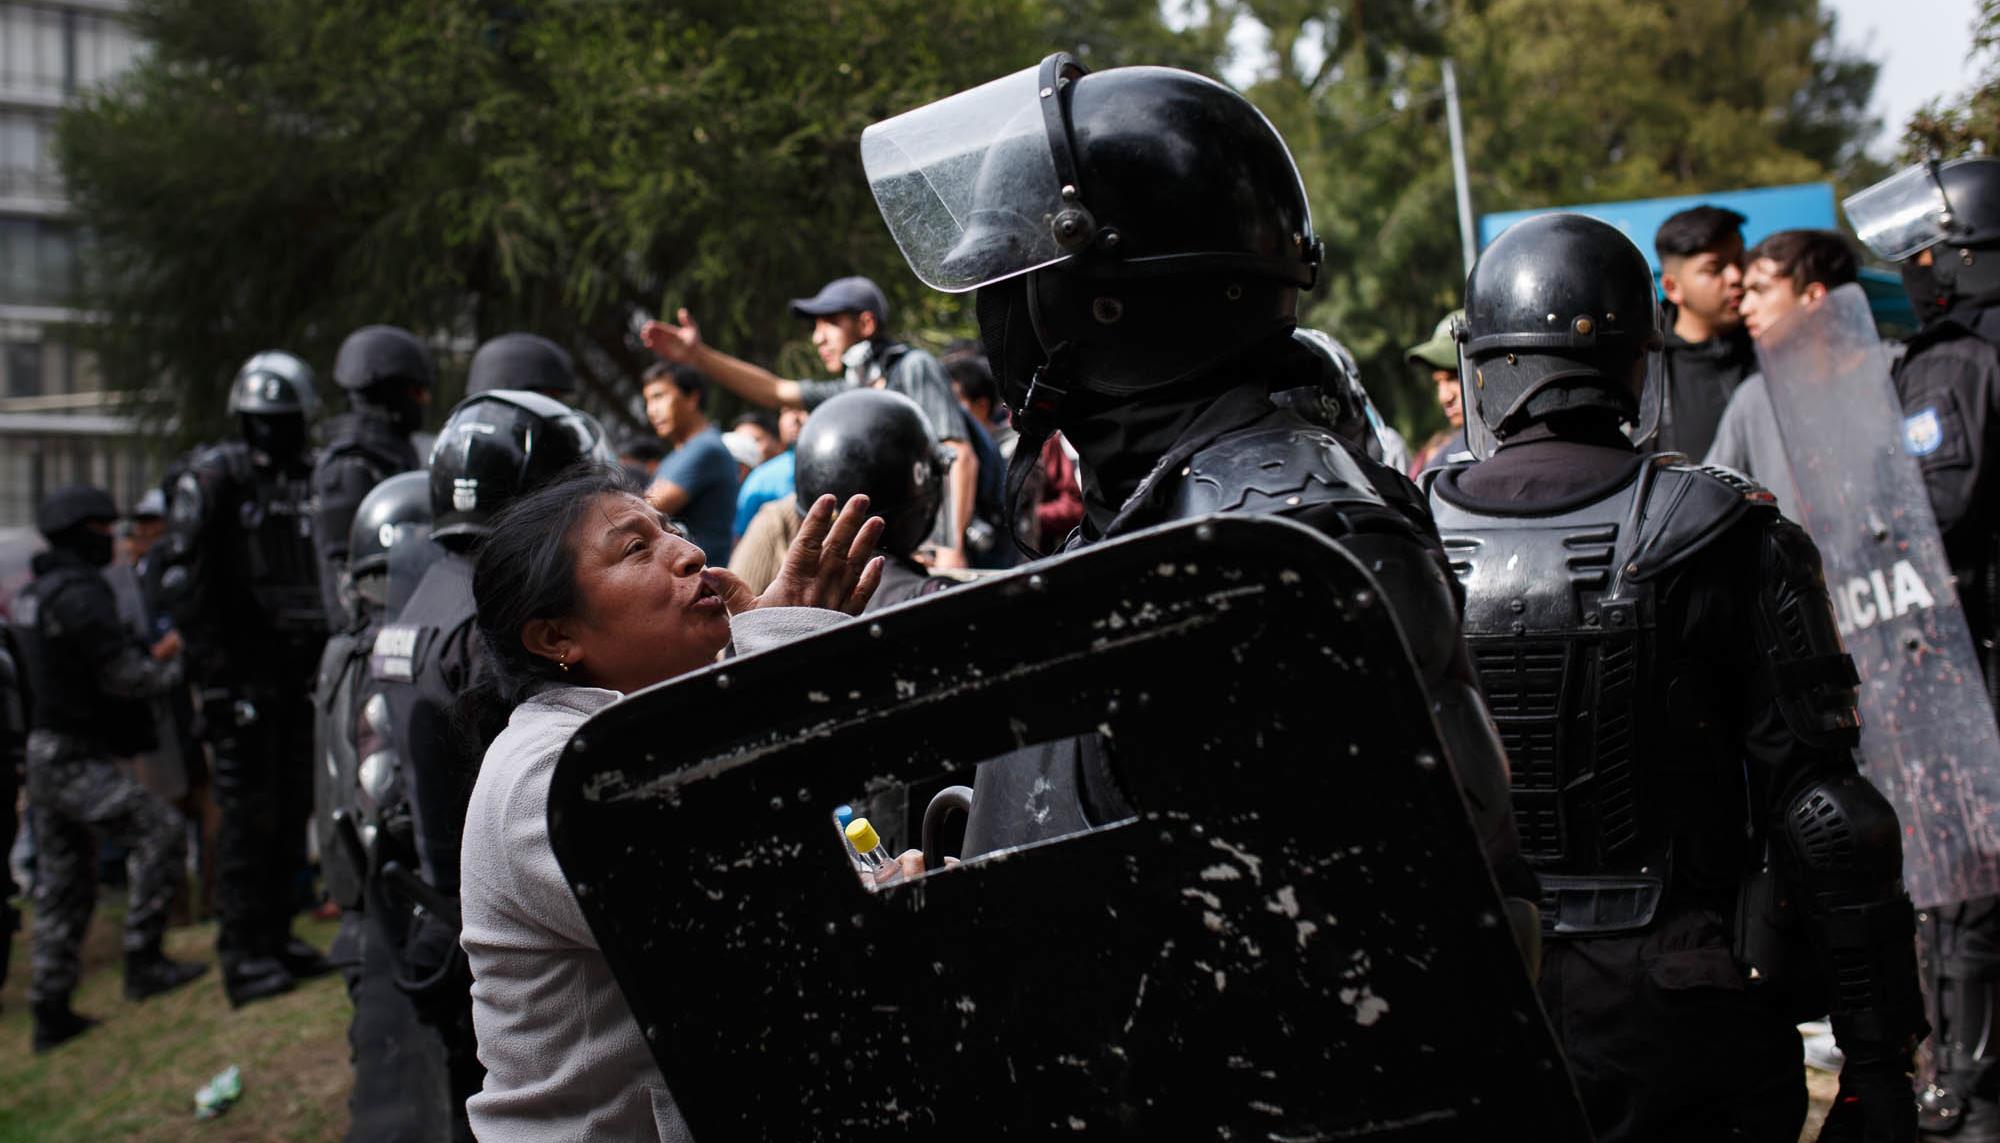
1902	215
1483	409
968	184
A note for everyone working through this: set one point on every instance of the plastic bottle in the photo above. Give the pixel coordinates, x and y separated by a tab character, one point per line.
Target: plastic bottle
877	867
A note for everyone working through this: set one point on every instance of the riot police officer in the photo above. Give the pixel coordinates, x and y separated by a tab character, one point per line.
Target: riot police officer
1941	221
388	376
1138	238
242	581
399	1073
1658	646
526	361
90	680
430	672
878	444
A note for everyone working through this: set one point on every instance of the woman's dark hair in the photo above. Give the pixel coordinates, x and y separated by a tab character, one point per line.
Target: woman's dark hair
526	569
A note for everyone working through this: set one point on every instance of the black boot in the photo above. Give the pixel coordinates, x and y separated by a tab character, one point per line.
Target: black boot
56	1024
302	960
250	978
149	972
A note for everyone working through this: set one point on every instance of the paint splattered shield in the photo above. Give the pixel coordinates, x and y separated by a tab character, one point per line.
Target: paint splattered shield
1286	932
1927	736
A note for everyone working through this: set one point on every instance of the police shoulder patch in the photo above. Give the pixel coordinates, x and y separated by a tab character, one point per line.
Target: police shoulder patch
1922	432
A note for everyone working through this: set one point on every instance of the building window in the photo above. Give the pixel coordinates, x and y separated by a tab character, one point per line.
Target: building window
21	369
34	52
104	48
38	264
27	159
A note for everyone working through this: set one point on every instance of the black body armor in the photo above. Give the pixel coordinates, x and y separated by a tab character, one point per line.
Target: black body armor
1599	706
240	534
71	641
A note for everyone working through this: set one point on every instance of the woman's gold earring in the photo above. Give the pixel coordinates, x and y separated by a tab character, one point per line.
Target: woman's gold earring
564	664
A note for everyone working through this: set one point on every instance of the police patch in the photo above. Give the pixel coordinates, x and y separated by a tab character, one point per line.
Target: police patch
1922	432
464	494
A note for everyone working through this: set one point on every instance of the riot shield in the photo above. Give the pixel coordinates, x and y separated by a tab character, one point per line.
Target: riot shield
1927	737
1291	934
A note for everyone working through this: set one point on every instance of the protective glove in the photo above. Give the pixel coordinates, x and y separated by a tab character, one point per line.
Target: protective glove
1877	1104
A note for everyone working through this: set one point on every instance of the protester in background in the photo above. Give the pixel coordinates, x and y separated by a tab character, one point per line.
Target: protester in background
1708	352
641	455
972	383
761	552
1786	270
697	482
771	480
163	769
585	596
850	331
1437	360
760	425
744	450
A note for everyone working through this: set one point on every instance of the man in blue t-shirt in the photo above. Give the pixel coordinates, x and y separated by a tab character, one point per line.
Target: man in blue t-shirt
696	484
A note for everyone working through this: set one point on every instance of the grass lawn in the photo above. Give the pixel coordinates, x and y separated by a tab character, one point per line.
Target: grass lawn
134	1076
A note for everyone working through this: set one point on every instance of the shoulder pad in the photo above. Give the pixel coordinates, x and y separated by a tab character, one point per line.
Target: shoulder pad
1275	467
1687	508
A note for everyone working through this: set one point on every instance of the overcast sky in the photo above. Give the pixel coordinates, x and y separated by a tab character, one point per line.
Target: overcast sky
1921	45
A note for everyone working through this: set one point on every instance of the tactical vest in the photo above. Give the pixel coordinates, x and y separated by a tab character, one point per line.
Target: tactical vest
1610	727
270	532
63	682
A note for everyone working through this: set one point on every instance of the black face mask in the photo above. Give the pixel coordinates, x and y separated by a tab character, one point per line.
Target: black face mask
280	436
1008	335
1930	296
93	547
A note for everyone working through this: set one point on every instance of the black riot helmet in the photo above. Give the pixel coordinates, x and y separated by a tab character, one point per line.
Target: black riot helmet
273	400
386	367
1128	228
1328	390
73	505
399	508
1560	315
497	445
522	361
1951	209
64	516
876	443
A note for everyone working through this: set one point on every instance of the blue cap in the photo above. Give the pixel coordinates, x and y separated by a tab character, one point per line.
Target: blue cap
844	296
843	815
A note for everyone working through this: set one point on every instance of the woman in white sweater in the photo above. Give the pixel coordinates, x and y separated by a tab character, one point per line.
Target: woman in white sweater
586	594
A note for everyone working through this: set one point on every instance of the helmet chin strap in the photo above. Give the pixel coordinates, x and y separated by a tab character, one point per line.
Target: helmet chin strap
1039	416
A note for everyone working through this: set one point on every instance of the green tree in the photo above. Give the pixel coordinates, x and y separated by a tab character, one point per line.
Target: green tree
279	172
1970	122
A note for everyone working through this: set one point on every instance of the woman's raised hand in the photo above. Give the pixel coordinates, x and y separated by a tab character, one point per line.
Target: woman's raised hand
828	566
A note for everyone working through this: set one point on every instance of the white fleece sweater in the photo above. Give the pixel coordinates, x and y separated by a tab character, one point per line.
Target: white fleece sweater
565	1060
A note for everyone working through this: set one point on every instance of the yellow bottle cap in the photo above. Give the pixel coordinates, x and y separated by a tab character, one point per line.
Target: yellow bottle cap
862	835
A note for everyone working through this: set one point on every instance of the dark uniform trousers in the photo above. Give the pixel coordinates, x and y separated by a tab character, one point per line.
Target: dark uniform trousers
262	738
1668	1041
75	798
